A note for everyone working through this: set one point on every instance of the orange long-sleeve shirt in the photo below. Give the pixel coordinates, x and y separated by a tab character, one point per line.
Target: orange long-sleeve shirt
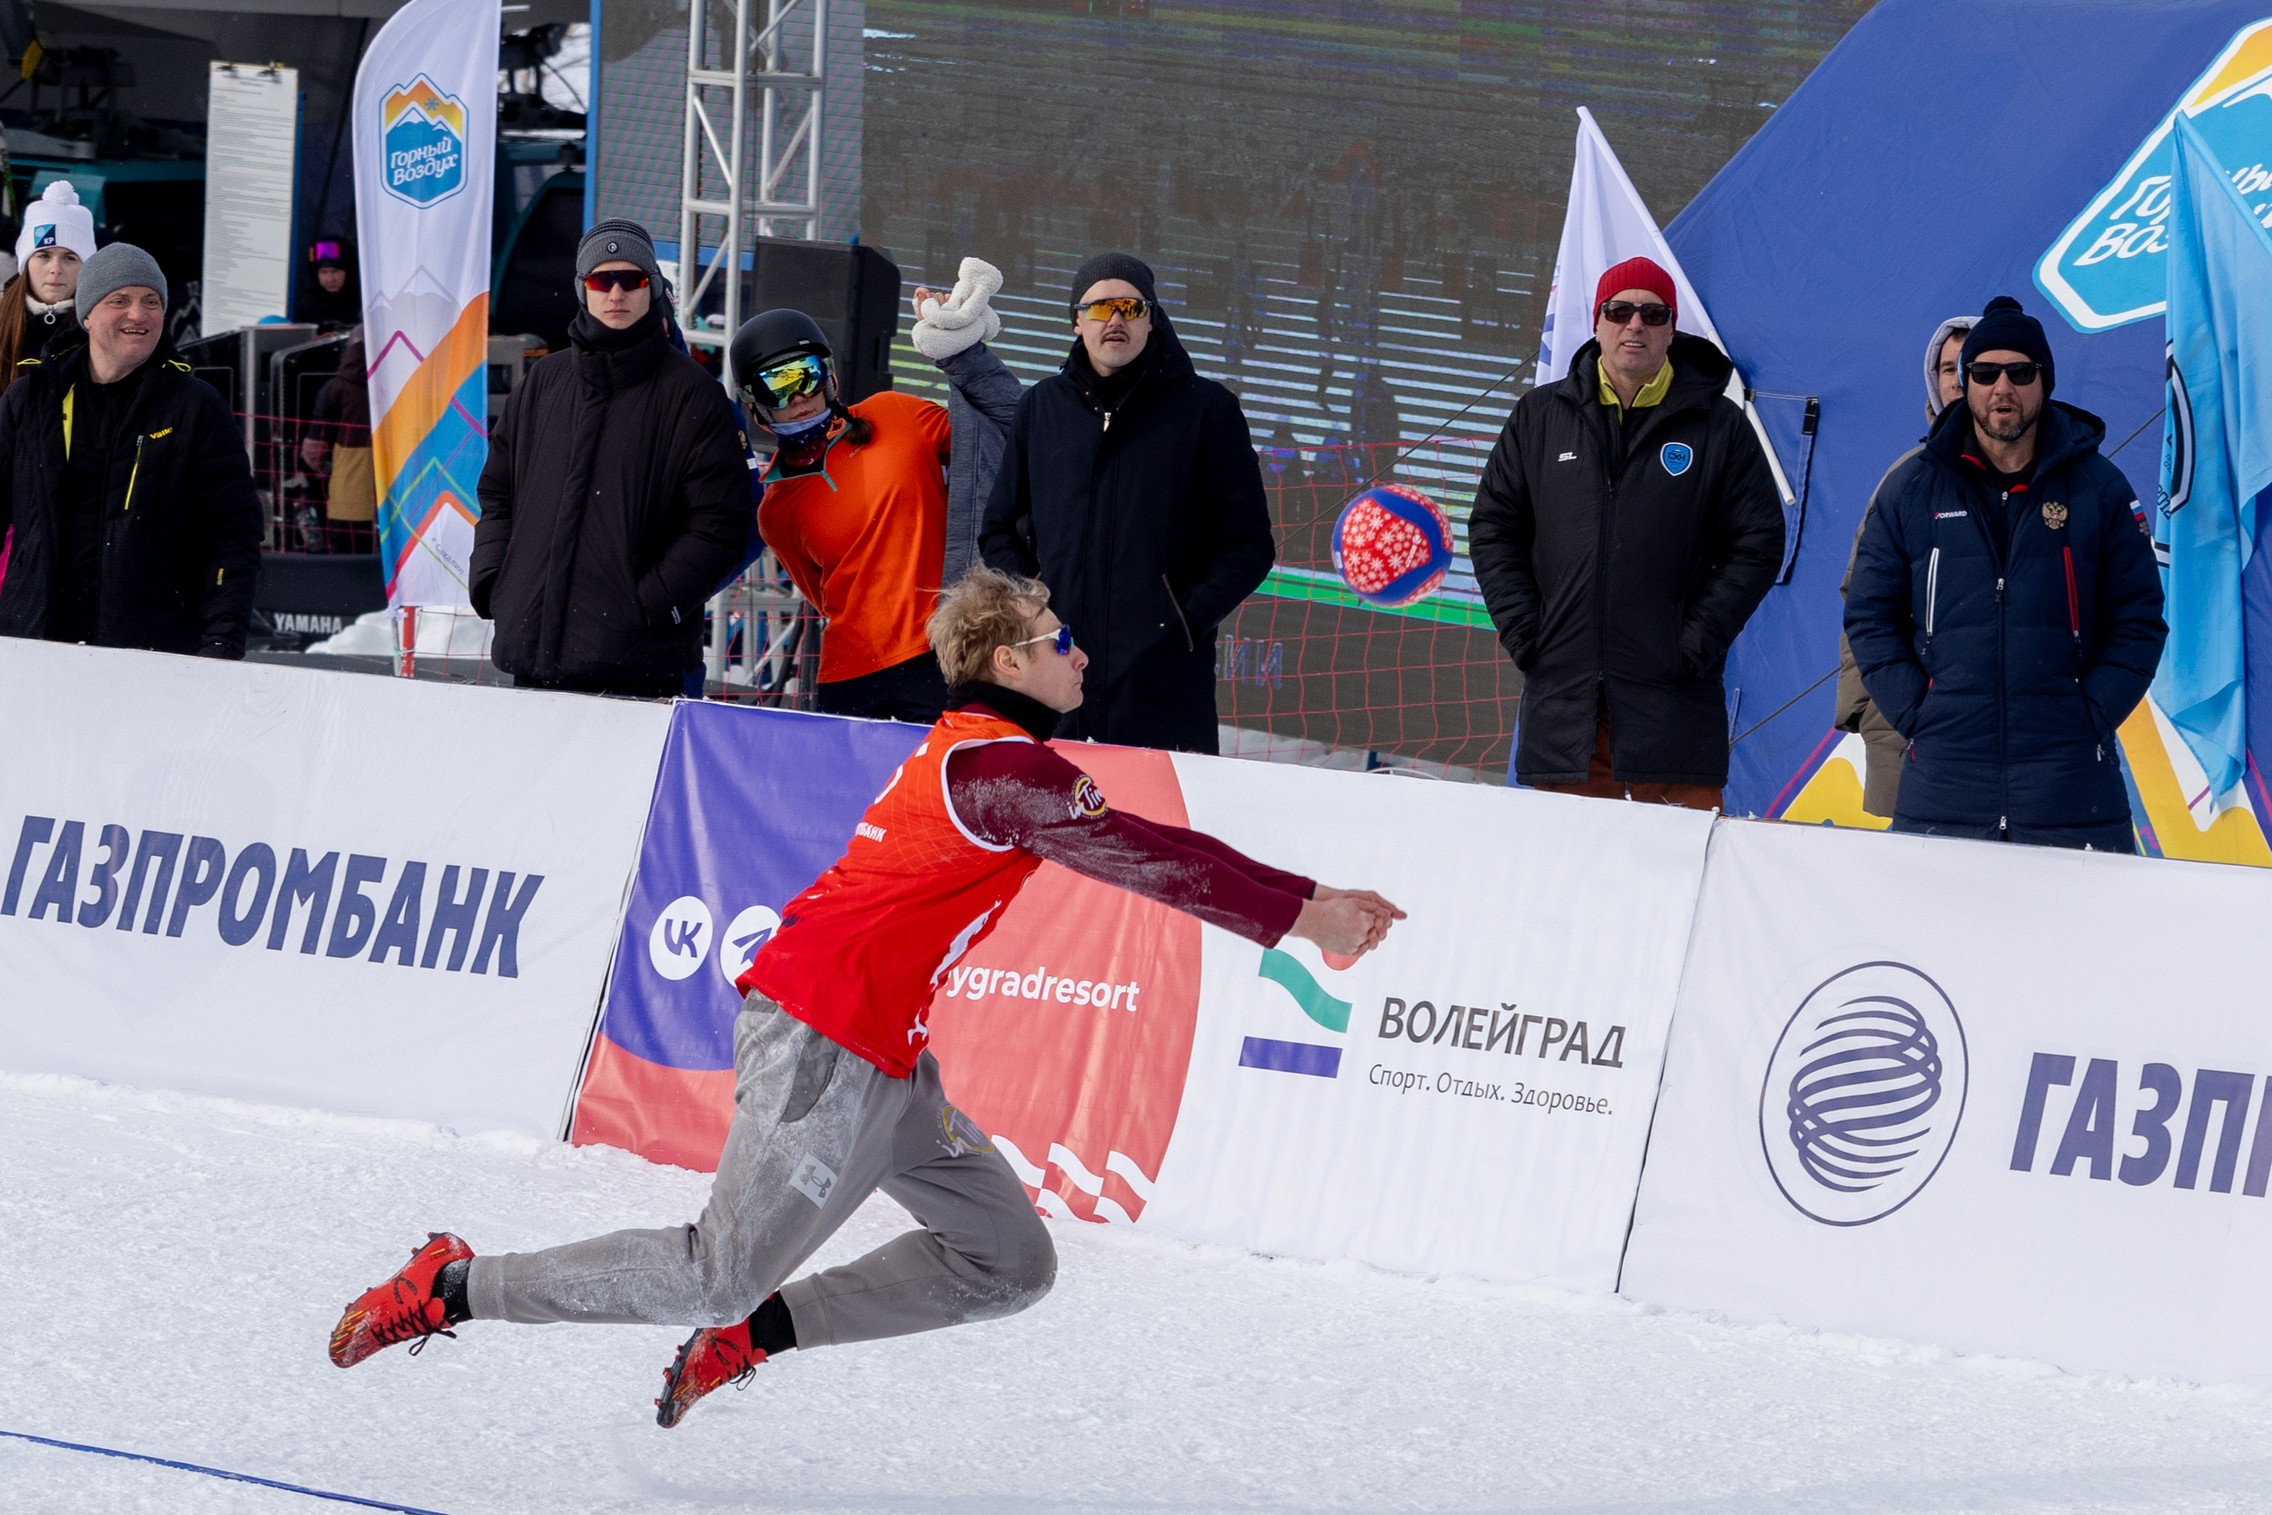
864	539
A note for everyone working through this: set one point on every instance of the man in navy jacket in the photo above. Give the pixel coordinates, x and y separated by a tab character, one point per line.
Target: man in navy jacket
2005	611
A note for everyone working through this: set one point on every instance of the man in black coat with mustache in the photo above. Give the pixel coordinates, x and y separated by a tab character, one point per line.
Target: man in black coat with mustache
1130	486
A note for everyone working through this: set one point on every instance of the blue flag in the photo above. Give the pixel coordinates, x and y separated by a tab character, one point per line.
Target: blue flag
2217	466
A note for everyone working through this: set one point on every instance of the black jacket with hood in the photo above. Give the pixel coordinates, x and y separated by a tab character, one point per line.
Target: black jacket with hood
2009	660
181	522
615	498
1619	558
1139	502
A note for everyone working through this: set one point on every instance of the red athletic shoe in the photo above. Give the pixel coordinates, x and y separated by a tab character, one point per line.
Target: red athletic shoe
711	1359
407	1307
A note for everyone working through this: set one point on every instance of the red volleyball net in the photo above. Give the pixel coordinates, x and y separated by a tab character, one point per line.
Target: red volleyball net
1308	672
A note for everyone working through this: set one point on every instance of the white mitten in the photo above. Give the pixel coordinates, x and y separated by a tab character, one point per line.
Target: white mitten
963	319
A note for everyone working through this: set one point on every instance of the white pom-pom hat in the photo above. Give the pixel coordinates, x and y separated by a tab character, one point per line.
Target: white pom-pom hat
57	219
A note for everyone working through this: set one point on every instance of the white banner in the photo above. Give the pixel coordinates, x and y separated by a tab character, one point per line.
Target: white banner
425	149
1606	223
1941	1091
1474	1097
249	881
252	141
1471	1098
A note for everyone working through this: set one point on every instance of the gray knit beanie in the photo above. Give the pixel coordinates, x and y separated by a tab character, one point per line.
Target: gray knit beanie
119	266
616	242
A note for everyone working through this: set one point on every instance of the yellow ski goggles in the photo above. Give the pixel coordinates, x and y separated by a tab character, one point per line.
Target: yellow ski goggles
786	382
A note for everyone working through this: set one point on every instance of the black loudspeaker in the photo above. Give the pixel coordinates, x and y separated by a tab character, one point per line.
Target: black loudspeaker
851	289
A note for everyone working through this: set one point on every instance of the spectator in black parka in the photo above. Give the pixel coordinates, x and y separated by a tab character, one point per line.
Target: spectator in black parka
1626	527
616	495
126	482
1131	488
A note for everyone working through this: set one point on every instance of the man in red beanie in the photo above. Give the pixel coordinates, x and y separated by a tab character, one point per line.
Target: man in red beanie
1626	527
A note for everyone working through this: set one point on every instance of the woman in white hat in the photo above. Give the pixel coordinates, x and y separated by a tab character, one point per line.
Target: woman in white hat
58	236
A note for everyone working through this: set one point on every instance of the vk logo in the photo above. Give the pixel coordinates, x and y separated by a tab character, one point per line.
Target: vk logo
1863	1094
1325	1009
680	939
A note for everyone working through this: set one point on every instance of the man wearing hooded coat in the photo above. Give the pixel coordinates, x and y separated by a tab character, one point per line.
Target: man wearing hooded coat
616	494
1132	490
2004	608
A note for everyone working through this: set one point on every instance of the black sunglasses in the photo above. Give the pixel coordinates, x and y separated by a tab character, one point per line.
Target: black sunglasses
1618	312
1985	374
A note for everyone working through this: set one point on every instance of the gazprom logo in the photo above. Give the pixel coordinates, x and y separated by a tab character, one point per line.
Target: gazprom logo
2106	269
1863	1094
422	143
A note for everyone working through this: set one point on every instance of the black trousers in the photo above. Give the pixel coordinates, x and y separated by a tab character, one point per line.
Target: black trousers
914	691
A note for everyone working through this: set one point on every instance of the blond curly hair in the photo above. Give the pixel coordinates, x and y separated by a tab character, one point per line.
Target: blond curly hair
985	609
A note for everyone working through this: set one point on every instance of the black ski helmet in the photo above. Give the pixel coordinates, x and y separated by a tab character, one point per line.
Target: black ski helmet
768	337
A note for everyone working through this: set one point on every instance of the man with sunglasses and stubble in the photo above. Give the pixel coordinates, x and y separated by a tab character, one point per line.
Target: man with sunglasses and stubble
1131	487
1626	527
616	494
836	1093
2005	610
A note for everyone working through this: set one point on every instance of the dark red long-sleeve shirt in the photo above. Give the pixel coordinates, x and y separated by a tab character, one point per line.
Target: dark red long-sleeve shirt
1024	795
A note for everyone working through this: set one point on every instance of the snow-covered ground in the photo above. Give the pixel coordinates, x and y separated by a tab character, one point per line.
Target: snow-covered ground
170	1266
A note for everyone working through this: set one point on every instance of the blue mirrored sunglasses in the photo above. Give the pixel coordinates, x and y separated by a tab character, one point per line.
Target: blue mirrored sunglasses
1062	637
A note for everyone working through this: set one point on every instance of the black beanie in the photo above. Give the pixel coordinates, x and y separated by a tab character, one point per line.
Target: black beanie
1110	265
2004	327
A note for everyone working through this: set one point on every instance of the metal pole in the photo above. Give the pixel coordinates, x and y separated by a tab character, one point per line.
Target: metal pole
750	204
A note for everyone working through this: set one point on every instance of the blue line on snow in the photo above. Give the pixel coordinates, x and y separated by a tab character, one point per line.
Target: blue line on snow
191	1467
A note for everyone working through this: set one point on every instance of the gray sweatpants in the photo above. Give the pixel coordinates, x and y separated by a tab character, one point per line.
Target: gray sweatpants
816	1129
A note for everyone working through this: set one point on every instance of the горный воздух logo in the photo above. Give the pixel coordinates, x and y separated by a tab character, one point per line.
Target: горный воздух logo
1863	1094
2109	267
422	143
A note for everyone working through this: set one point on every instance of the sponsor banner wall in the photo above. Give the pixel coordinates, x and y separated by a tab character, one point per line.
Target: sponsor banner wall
210	880
1933	1090
1474	1097
749	806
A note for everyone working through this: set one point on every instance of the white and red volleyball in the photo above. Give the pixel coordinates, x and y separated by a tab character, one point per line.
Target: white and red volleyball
1392	545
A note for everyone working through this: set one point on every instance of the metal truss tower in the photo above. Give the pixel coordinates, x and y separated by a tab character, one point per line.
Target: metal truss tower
754	99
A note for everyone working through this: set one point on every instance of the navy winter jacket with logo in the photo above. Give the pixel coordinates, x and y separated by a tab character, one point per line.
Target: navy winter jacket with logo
2009	670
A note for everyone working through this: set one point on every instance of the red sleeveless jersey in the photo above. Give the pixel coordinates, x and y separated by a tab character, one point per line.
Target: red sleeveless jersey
859	954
